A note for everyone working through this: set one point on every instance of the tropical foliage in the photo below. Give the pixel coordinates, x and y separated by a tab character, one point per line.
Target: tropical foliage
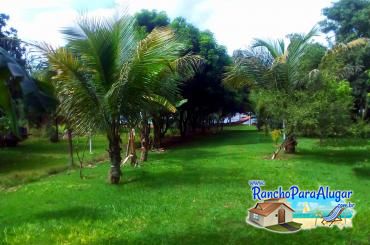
272	68
106	74
348	19
208	102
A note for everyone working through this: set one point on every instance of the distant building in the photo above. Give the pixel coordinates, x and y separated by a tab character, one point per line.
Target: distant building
271	212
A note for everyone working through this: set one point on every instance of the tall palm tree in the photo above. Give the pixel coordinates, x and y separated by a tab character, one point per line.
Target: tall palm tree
106	73
272	66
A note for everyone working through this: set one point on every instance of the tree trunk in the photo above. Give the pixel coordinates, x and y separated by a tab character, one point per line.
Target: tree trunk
2	140
131	148
115	158
181	126
56	129
290	144
70	147
144	135
157	132
183	123
165	125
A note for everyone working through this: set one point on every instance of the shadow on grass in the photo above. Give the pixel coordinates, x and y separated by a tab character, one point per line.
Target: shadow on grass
344	142
362	172
198	155
335	156
75	213
187	176
237	234
225	138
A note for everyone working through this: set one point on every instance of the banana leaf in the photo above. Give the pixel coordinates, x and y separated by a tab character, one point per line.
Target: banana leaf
13	75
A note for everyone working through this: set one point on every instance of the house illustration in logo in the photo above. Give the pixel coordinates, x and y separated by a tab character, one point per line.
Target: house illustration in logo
270	212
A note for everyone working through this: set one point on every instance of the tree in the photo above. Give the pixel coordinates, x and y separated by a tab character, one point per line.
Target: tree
273	68
11	75
10	42
168	86
149	20
207	100
351	62
348	19
21	95
15	86
107	74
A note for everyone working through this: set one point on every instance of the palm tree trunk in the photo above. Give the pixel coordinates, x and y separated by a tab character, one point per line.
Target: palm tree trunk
56	129
157	132
115	158
144	135
70	147
131	148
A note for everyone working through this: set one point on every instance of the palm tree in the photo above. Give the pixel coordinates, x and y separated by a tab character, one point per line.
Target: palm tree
106	73
318	214
272	66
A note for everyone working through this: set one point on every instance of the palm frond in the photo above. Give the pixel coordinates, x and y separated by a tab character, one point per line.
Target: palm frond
295	51
250	69
105	73
153	54
162	101
275	48
79	98
103	45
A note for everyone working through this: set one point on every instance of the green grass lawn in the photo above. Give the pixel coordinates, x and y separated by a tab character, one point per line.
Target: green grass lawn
38	157
196	193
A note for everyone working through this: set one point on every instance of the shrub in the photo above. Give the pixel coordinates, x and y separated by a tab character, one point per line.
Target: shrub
361	129
276	135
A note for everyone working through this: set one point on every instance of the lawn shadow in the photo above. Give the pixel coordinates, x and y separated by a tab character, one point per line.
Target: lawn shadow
75	213
187	176
335	156
362	172
236	233
223	138
196	155
344	142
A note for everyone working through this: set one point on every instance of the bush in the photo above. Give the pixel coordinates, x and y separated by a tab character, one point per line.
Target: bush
52	134
276	135
361	129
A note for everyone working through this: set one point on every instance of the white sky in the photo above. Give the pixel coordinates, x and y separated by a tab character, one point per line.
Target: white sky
234	22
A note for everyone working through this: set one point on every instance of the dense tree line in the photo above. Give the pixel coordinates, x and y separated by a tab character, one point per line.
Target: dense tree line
348	20
208	101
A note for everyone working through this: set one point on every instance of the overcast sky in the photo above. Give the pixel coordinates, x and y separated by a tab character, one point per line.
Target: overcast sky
234	22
